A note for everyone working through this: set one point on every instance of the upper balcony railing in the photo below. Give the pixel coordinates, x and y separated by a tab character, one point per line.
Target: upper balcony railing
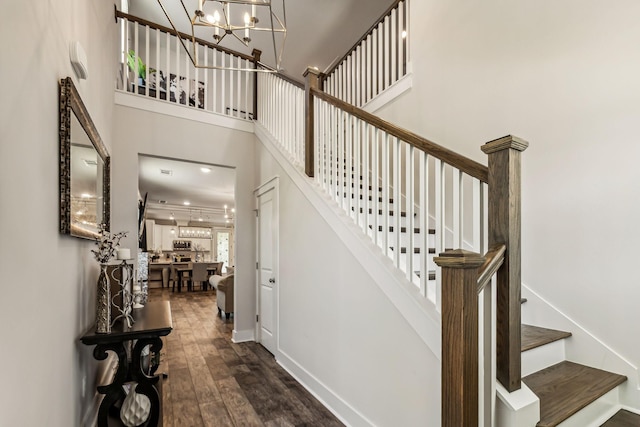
378	60
153	63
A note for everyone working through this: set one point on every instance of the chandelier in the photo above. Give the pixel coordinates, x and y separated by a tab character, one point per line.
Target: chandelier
238	19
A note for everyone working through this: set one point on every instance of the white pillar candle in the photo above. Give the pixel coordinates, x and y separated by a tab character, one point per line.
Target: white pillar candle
124	253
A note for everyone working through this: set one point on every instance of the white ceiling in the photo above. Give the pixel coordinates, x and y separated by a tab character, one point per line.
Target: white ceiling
207	193
318	31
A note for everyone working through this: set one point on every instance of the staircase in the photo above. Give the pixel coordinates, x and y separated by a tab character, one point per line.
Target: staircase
571	394
413	210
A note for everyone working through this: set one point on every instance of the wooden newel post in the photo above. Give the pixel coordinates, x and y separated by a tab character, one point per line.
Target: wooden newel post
256	53
311	81
504	227
459	337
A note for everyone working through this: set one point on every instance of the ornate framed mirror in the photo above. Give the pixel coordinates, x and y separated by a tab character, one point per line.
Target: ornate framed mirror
84	168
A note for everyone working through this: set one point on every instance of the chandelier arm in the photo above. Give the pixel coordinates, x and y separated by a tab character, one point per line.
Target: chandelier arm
162	28
273	38
177	33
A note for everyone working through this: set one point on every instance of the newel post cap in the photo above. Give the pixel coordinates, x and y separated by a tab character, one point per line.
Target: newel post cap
459	258
504	143
312	70
256	53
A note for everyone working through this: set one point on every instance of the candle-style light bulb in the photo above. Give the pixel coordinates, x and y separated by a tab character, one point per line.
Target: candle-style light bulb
216	19
247	21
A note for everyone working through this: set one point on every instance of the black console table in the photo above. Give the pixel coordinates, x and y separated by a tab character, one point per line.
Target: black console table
151	322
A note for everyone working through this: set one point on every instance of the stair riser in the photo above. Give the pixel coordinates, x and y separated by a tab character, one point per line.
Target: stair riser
595	414
542	357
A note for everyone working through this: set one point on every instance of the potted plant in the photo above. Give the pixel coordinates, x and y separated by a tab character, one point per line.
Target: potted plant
142	68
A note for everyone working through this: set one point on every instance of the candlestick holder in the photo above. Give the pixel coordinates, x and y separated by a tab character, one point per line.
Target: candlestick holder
124	295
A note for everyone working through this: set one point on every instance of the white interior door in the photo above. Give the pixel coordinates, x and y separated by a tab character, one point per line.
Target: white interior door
267	267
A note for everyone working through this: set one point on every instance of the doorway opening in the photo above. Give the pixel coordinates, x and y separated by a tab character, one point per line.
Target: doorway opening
187	215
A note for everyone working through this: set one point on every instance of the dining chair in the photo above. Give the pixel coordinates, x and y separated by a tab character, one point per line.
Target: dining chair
199	275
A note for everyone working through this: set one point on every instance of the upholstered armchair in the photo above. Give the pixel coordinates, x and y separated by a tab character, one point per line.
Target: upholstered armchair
224	296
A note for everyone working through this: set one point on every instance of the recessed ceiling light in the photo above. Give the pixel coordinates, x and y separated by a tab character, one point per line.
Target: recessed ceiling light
90	162
205	170
171	216
186	203
404	34
166	171
86	196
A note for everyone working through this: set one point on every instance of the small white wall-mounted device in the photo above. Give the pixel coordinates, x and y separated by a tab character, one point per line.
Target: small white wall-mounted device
79	60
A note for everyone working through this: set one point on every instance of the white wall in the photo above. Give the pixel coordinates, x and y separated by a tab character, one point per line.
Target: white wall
564	76
48	280
143	132
338	331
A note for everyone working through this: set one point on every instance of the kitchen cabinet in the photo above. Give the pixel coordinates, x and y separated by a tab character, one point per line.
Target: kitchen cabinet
157	238
150	228
163	237
168	236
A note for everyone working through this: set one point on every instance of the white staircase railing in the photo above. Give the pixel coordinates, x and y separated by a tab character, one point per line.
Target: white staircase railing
411	202
375	62
281	112
153	63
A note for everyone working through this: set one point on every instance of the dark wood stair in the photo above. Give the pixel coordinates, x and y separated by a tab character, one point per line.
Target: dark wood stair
623	418
567	387
535	336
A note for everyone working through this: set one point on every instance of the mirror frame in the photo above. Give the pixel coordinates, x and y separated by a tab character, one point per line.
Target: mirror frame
71	103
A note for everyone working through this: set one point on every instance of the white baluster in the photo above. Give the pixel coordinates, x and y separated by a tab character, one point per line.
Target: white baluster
409	165
439	222
393	39
368	70
382	191
456	177
399	41
423	209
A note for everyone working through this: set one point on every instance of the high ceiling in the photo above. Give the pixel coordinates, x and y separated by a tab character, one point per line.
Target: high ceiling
318	31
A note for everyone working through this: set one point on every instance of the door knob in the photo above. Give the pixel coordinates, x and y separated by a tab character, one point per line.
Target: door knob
272	280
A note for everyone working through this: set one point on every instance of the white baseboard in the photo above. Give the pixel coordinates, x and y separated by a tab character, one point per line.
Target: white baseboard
341	409
243	336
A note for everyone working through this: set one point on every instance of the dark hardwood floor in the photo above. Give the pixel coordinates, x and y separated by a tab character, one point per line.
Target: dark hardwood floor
214	382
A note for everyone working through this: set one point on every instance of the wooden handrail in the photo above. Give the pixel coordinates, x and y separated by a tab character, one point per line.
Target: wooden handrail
492	262
464	164
335	65
182	35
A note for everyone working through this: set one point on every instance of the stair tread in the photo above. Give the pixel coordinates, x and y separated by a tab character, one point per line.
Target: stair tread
623	418
535	336
567	387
